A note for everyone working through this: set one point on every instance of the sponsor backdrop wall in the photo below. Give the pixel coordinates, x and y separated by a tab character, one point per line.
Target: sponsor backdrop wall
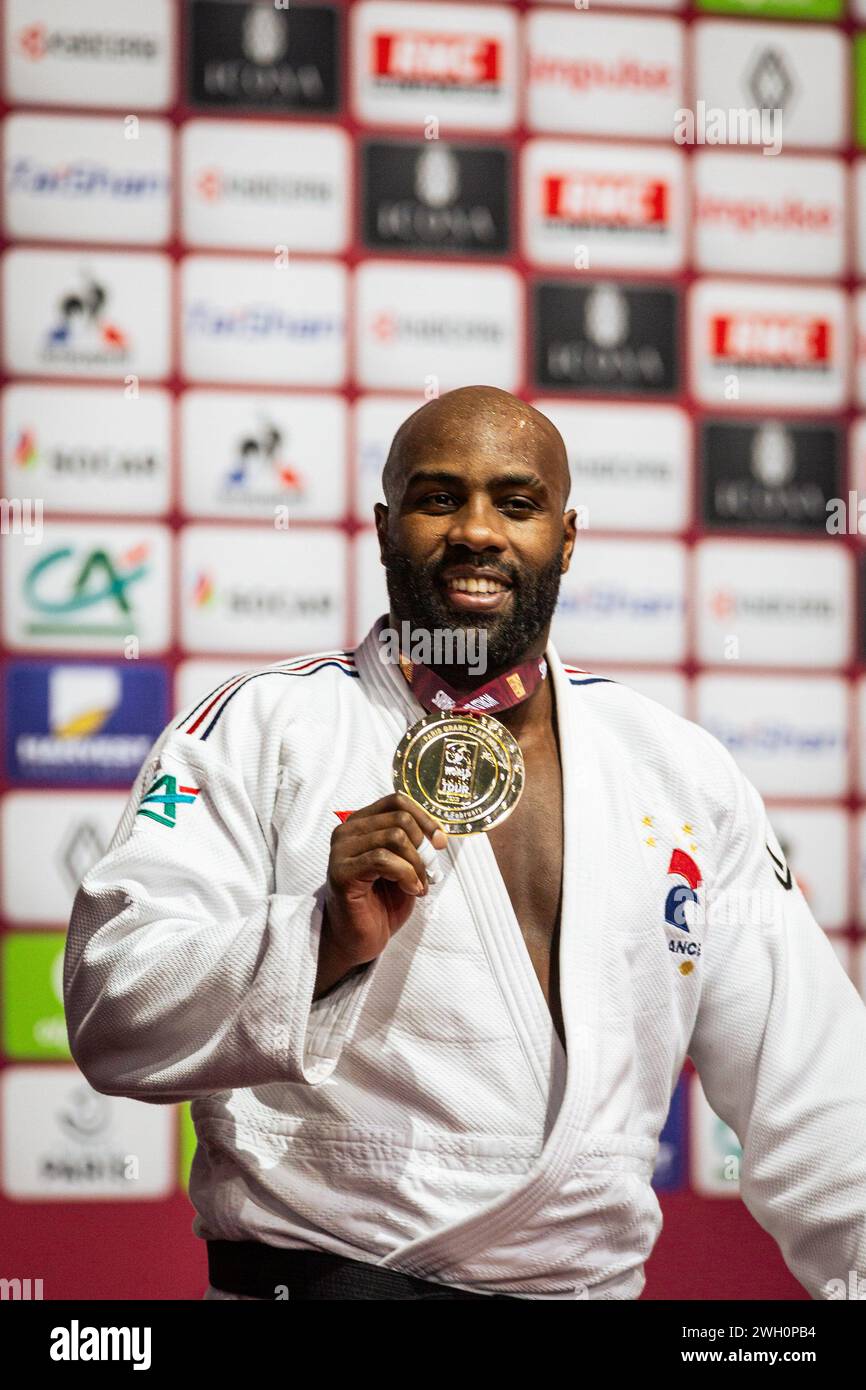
241	243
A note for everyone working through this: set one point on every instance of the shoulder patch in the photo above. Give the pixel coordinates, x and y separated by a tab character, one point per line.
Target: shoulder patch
166	794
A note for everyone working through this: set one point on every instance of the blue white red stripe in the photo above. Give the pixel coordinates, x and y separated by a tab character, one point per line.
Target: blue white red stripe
577	676
201	720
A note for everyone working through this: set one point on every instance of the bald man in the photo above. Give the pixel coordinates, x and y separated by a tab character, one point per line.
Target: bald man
426	930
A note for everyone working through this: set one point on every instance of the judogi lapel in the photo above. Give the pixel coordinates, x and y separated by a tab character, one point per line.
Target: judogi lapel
566	1086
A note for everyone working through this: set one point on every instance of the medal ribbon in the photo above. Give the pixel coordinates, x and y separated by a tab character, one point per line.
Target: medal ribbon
503	692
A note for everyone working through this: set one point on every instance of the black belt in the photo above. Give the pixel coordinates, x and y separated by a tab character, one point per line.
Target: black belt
264	1271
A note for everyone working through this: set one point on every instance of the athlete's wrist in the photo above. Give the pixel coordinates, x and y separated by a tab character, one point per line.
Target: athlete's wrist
335	962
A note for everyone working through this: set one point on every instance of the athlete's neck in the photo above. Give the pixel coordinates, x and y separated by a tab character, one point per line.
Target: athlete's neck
527	719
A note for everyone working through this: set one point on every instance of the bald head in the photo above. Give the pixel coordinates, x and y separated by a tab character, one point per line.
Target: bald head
483	419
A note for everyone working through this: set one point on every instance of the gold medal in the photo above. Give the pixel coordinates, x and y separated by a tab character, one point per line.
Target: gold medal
465	770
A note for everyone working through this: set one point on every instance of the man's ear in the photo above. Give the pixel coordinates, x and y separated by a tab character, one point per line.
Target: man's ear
569	526
380	512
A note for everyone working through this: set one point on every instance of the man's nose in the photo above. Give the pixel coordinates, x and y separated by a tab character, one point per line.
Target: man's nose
477	525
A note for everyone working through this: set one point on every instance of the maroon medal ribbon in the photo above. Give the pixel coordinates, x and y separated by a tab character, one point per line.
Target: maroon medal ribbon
503	692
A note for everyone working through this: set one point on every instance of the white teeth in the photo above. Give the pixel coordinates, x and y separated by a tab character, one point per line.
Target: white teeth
476	586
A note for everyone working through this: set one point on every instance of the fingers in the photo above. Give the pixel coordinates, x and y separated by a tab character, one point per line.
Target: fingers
398	802
362	825
380	862
392	838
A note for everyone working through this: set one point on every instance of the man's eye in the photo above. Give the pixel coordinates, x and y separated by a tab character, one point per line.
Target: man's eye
437	497
520	503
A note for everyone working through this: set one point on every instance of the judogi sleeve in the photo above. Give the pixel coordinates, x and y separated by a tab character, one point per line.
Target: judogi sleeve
185	973
780	1047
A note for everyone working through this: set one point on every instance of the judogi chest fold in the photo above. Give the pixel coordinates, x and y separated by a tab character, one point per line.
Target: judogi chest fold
455	1032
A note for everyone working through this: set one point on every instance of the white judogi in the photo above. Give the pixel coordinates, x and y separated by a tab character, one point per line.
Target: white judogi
423	1115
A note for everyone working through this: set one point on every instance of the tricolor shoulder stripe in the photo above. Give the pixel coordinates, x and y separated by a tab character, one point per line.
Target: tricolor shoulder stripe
577	676
201	720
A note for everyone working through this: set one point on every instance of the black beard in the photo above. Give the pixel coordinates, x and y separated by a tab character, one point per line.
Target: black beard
416	598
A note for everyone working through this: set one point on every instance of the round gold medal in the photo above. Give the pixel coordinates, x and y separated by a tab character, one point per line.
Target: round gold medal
466	770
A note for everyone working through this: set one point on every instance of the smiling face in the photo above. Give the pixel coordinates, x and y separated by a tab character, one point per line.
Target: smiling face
474	534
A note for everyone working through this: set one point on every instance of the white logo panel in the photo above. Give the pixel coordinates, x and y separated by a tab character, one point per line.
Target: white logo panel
443	325
457	61
90	53
814	841
88	448
369	583
87	178
249	320
786	603
622	601
80	586
767	216
84	313
604	74
586	205
630	464
769	345
198	678
789	735
251	589
265	455
49	841
63	1140
801	71
265	184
